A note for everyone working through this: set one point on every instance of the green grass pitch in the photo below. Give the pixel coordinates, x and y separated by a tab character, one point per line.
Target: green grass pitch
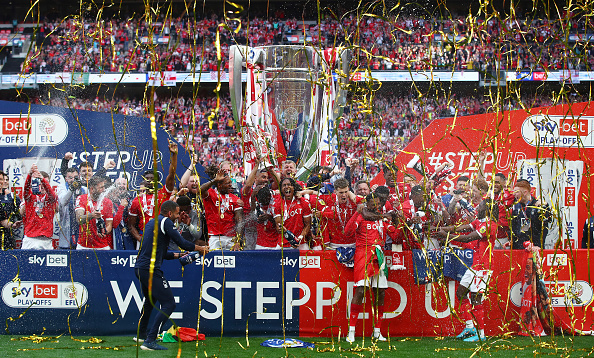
118	346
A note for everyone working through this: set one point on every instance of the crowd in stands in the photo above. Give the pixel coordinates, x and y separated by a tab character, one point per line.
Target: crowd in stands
393	43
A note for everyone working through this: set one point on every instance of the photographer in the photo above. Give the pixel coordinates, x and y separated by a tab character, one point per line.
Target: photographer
460	189
10	217
67	193
121	199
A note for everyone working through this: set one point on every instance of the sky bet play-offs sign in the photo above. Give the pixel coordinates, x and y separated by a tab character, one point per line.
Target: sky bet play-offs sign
43	131
42	294
35	129
559	131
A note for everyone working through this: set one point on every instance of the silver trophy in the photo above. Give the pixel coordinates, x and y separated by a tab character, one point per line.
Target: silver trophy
287	101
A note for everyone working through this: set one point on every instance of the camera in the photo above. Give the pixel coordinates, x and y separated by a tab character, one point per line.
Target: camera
458	191
75	186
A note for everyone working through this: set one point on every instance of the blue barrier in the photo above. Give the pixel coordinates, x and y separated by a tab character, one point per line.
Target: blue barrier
97	292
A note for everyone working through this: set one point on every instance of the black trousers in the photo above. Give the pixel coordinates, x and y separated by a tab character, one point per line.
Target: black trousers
161	292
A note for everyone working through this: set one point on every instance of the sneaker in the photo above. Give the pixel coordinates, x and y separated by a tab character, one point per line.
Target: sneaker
152	346
379	337
474	338
467	332
136	339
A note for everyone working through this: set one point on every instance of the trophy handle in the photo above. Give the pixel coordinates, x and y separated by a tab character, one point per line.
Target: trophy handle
342	73
237	58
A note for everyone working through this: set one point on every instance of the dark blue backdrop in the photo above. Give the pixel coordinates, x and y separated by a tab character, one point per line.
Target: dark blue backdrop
109	296
125	139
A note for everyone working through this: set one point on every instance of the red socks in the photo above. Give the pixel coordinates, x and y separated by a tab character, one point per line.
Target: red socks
380	316
355	310
465	309
479	314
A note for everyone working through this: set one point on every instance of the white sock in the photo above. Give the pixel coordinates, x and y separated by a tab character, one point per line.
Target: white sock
469	324
482	333
377	334
351	335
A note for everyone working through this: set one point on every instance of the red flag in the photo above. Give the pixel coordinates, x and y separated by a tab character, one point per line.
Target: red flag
537	317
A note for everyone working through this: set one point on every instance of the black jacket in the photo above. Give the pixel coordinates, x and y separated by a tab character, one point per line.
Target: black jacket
529	223
588	234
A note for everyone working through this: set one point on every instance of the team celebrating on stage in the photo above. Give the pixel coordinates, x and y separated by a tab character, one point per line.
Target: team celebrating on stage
273	210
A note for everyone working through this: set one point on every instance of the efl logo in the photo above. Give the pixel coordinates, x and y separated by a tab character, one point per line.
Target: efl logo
57	260
45	291
16	125
569	126
309	262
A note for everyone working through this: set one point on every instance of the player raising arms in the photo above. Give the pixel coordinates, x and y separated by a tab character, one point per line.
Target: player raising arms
292	215
143	207
476	278
369	270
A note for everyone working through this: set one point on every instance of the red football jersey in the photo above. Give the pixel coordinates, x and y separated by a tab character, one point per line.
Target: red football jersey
143	206
247	198
220	213
39	210
292	214
88	232
505	200
367	234
487	230
267	234
337	216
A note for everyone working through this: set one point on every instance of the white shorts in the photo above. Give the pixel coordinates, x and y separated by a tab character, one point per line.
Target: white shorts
260	247
476	280
499	244
220	242
37	243
431	244
80	247
378	281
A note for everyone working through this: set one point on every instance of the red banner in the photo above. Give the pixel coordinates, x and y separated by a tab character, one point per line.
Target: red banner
519	144
426	310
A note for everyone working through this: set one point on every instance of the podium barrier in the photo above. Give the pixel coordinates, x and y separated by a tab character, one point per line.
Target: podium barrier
97	293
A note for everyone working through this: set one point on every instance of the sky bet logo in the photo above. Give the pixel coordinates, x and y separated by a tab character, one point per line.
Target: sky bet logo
123	261
49	260
16	125
304	262
569	126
